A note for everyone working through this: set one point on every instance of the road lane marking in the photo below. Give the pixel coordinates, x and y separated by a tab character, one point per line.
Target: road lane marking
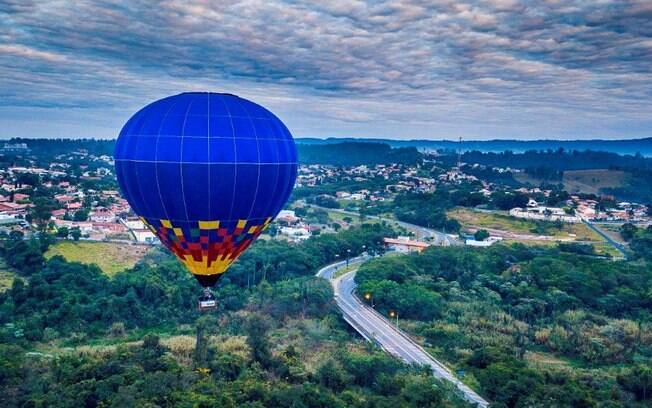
411	353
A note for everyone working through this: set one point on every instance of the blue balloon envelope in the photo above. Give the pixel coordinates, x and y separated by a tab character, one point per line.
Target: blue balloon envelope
207	173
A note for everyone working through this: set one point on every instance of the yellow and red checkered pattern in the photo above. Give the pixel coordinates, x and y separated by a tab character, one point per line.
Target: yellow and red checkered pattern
207	247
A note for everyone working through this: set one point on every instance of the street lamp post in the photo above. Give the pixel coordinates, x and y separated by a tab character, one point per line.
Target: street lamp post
368	297
394	314
337	258
348	255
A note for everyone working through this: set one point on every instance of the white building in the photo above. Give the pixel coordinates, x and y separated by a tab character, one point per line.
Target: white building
486	243
144	235
544	214
138	229
296	233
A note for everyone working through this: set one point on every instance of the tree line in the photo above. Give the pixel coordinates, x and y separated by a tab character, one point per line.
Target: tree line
495	313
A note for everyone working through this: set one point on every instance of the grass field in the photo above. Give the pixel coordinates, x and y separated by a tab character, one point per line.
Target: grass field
471	219
523	177
111	258
592	181
582	181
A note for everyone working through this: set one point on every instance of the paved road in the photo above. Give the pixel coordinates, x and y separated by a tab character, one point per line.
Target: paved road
375	328
620	247
422	233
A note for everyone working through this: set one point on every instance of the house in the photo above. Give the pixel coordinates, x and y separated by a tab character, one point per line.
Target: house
63	199
109	227
74	206
102	214
9	221
144	235
296	233
13	208
404	245
287	217
139	230
58	213
16	148
21	197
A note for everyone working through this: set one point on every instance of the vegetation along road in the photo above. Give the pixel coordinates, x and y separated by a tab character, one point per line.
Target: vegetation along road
610	241
437	238
375	328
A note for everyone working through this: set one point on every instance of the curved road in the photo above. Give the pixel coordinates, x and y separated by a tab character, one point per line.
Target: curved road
375	328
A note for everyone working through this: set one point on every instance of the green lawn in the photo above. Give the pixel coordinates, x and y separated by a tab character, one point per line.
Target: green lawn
111	258
503	222
592	181
585	181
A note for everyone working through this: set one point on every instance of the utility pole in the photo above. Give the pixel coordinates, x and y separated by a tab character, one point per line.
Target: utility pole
459	155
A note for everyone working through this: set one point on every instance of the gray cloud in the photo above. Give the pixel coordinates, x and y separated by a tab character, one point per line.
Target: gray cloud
480	69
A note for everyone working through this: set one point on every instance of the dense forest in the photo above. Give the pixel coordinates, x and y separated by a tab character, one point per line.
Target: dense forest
559	160
549	167
528	326
640	240
627	146
357	153
72	336
341	154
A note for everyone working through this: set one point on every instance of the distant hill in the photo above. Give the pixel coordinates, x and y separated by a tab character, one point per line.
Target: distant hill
356	153
629	146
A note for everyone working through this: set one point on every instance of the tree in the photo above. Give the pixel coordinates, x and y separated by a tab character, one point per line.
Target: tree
421	391
628	231
29	179
638	380
481	235
81	214
508	200
332	375
256	328
63	232
201	344
327	201
75	233
41	212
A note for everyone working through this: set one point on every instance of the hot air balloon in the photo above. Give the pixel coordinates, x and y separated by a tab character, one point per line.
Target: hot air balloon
206	173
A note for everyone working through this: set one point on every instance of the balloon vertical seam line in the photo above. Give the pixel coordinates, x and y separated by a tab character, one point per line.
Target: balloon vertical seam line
235	157
138	187
253	127
183	131
158	184
208	146
269	209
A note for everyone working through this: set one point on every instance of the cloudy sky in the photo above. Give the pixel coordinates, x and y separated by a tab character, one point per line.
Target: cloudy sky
480	69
